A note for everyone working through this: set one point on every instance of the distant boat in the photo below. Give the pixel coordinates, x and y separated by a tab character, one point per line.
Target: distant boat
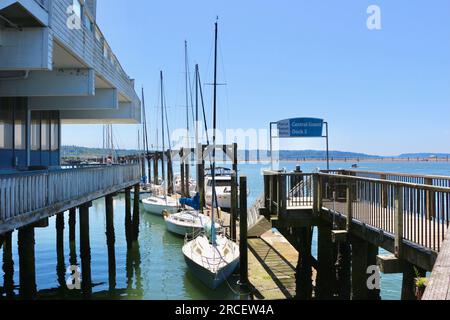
192	186
355	166
222	191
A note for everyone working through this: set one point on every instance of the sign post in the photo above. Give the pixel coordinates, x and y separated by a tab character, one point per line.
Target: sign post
300	128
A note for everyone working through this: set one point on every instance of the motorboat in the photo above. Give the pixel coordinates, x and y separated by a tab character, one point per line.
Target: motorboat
158	204
188	223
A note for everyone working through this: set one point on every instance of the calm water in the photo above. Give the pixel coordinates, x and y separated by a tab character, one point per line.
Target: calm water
156	269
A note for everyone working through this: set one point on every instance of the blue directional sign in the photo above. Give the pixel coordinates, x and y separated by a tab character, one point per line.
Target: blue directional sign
300	127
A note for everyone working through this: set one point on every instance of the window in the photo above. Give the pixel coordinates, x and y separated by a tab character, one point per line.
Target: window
54	129
6	124
45	132
105	51
98	35
20	129
87	22
35	131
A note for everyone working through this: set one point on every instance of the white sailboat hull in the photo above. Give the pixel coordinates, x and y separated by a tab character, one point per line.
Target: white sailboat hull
188	223
181	230
157	205
212	265
210	279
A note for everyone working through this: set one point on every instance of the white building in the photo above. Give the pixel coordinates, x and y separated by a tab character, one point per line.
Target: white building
56	67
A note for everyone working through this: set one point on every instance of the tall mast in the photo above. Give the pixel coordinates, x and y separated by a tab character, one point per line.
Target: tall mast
186	67
163	133
196	107
213	169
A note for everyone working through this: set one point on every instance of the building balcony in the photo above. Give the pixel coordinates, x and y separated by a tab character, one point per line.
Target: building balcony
63	55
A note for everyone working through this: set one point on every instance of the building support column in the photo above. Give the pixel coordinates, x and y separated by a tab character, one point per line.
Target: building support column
72	236
27	268
85	251
61	264
8	266
325	282
110	241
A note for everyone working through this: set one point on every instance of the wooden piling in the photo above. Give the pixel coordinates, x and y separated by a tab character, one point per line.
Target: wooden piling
110	241
372	253
343	271
408	282
72	236
243	228
136	213
187	178
155	168
85	251
234	206
303	240
60	265
325	260
27	268
149	168
182	173
360	290
8	266
128	218
201	177
170	186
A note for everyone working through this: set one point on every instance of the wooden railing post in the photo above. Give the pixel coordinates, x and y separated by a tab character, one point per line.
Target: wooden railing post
349	205
315	194
266	191
384	193
398	230
430	200
282	194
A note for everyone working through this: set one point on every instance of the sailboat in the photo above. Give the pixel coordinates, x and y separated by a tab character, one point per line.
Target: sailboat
212	257
158	204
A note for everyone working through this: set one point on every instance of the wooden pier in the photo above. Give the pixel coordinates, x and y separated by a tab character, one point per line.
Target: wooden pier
357	213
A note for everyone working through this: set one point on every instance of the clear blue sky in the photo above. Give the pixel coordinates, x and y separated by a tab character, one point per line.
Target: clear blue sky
383	92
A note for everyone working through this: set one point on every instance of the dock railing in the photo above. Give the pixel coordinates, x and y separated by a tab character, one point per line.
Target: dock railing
283	190
419	213
434	180
26	193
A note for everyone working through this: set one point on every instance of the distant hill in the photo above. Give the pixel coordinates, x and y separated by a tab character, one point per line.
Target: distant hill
424	155
288	154
84	152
